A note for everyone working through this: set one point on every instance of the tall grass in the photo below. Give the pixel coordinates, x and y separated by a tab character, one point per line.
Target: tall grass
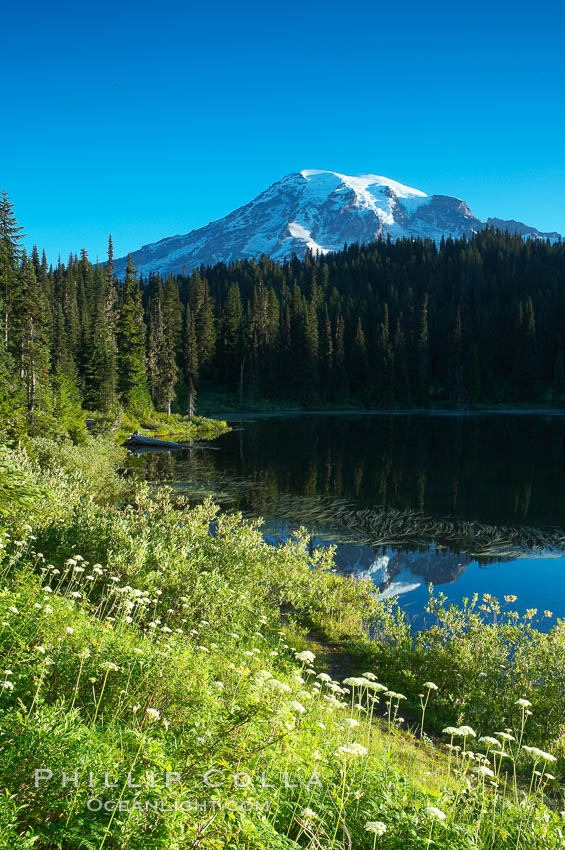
164	672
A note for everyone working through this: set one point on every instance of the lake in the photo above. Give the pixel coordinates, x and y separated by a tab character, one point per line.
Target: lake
469	503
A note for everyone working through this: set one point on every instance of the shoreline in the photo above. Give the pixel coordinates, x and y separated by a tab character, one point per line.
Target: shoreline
416	411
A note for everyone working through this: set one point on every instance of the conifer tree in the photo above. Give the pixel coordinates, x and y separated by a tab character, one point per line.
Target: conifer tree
31	337
190	352
132	383
10	251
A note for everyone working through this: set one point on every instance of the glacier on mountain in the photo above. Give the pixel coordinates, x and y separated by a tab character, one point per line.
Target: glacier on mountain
318	211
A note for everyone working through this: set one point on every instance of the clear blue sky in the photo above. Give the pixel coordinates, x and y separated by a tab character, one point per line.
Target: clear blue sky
146	120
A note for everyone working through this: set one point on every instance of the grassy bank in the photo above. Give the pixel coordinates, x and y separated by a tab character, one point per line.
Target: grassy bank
119	426
162	680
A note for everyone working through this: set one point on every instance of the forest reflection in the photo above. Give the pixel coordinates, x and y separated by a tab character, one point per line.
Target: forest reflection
450	488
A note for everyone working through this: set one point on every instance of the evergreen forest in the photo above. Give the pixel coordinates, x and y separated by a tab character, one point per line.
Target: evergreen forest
411	323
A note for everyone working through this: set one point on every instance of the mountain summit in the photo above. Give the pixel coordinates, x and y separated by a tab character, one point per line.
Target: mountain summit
318	211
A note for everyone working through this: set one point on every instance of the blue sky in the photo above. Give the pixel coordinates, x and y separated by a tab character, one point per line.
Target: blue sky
146	120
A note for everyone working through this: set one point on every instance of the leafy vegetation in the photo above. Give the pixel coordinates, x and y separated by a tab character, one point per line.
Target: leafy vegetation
158	670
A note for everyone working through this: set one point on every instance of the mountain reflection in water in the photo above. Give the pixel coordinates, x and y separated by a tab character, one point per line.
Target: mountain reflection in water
407	500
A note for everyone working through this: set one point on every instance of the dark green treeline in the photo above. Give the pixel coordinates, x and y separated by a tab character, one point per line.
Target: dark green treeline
409	323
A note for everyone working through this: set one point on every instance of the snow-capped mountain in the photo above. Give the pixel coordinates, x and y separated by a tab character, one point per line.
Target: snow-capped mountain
320	211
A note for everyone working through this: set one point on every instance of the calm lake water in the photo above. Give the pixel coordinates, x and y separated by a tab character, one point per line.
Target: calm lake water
472	503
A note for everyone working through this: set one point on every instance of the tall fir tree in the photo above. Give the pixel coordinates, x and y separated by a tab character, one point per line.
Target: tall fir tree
130	333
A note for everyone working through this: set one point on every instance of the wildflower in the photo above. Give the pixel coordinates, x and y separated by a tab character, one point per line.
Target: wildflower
275	685
13	609
69	630
489	741
47	610
323	677
433	812
262	675
351	750
298	679
354	681
350	723
431	686
523	703
505	736
547	613
482	770
152	714
306	656
296	707
109	665
466	732
377	827
370	676
37	606
308	814
539	754
8	686
394	695
40	649
136	708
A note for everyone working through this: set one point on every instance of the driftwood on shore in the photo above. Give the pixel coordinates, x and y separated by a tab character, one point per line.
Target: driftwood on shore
137	439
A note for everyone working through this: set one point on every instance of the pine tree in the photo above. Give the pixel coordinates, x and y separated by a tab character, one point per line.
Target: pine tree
10	251
359	361
340	372
132	382
232	335
385	361
456	375
190	352
30	336
102	371
423	354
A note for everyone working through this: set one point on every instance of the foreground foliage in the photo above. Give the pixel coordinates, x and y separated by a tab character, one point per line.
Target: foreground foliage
156	670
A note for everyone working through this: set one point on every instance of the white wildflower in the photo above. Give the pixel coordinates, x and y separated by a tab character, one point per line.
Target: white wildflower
152	714
482	770
377	827
351	750
433	812
305	656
